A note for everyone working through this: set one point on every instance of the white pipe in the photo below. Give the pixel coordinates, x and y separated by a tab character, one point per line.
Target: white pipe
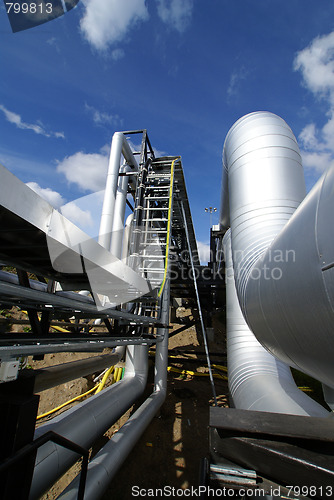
119	145
119	213
84	423
109	459
257	380
282	256
126	237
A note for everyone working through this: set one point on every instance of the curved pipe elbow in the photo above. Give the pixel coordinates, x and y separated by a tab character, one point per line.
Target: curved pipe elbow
257	380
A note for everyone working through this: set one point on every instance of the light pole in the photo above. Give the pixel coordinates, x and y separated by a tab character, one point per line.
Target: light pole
210	210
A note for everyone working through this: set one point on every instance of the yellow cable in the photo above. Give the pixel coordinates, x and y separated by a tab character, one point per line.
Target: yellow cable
115	376
67	403
168	224
220	367
104	379
60	329
98	387
119	374
195	374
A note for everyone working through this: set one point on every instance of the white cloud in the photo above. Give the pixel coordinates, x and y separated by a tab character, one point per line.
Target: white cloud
176	13
316	64
107	22
101	117
54	198
117	54
75	214
204	252
235	81
86	170
16	119
317	161
79	216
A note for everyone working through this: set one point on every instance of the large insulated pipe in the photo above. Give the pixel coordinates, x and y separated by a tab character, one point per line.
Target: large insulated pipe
119	146
257	380
84	423
282	255
109	459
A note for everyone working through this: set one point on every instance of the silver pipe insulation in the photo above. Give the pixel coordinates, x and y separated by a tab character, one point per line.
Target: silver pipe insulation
109	459
119	146
119	213
257	380
126	237
300	325
282	249
84	423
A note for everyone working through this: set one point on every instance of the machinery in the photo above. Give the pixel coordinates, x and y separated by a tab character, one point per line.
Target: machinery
278	253
274	247
125	280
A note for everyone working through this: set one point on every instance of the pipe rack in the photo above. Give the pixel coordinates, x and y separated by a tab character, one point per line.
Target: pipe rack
117	287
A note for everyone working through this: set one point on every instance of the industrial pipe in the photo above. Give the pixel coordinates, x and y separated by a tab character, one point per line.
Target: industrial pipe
126	237
283	253
119	213
109	459
59	374
119	146
257	380
84	423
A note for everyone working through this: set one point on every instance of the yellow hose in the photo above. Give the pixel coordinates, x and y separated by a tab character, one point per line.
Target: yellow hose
104	379
67	403
195	374
97	388
220	367
119	374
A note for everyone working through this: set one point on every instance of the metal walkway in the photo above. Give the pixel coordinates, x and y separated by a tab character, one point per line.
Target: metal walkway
123	282
37	239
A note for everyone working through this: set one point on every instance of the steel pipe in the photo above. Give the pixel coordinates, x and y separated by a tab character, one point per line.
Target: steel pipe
84	423
299	325
257	380
119	146
59	374
119	213
282	249
109	459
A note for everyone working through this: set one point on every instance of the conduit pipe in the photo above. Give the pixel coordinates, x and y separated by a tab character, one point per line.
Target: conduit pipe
109	459
119	212
84	423
126	237
59	374
119	146
282	255
257	380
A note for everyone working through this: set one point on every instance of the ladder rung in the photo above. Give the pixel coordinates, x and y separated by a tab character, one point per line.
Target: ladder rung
155	220
153	208
159	176
150	256
157	198
151	270
155	231
146	243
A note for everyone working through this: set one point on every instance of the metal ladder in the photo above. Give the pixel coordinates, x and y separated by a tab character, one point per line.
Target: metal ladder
153	214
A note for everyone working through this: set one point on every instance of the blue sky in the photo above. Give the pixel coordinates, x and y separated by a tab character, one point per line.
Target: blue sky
184	69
